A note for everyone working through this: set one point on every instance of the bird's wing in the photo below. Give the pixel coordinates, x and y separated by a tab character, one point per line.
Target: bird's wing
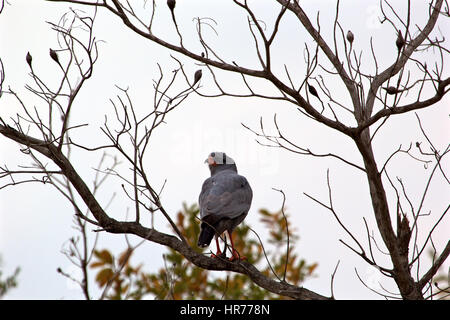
225	195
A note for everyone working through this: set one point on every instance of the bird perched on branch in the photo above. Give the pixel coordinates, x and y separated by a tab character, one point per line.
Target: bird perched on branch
197	76
224	202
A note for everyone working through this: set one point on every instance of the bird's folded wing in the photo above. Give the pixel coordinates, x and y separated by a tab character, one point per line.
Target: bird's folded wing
225	197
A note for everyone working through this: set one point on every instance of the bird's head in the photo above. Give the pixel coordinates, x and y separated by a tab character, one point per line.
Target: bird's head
218	161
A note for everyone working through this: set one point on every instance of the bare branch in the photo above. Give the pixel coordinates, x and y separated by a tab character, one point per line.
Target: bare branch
287	233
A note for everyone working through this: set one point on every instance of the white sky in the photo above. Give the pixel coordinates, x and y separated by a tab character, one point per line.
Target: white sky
35	220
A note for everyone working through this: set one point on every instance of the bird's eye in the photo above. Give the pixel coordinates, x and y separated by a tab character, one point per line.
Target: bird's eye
213	154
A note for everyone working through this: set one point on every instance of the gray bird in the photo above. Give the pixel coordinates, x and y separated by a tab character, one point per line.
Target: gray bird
224	202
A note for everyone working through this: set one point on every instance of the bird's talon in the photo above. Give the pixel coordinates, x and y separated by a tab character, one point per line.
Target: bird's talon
218	255
237	257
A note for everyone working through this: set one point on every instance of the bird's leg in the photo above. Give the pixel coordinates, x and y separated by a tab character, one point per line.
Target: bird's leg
225	245
218	253
234	253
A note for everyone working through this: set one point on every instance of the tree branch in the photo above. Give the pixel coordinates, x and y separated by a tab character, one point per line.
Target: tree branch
441	91
435	267
113	226
402	59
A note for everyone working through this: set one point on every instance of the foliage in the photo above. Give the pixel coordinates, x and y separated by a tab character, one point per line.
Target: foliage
180	279
9	283
440	286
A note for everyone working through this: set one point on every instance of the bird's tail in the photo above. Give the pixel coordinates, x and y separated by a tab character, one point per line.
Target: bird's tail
206	235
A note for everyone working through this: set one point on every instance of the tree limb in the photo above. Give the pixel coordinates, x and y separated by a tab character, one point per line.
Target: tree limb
113	226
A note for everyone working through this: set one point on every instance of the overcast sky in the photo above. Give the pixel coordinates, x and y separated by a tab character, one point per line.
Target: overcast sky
36	221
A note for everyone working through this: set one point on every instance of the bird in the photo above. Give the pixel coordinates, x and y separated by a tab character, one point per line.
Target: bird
29	58
350	36
224	202
171	4
197	76
54	55
400	42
